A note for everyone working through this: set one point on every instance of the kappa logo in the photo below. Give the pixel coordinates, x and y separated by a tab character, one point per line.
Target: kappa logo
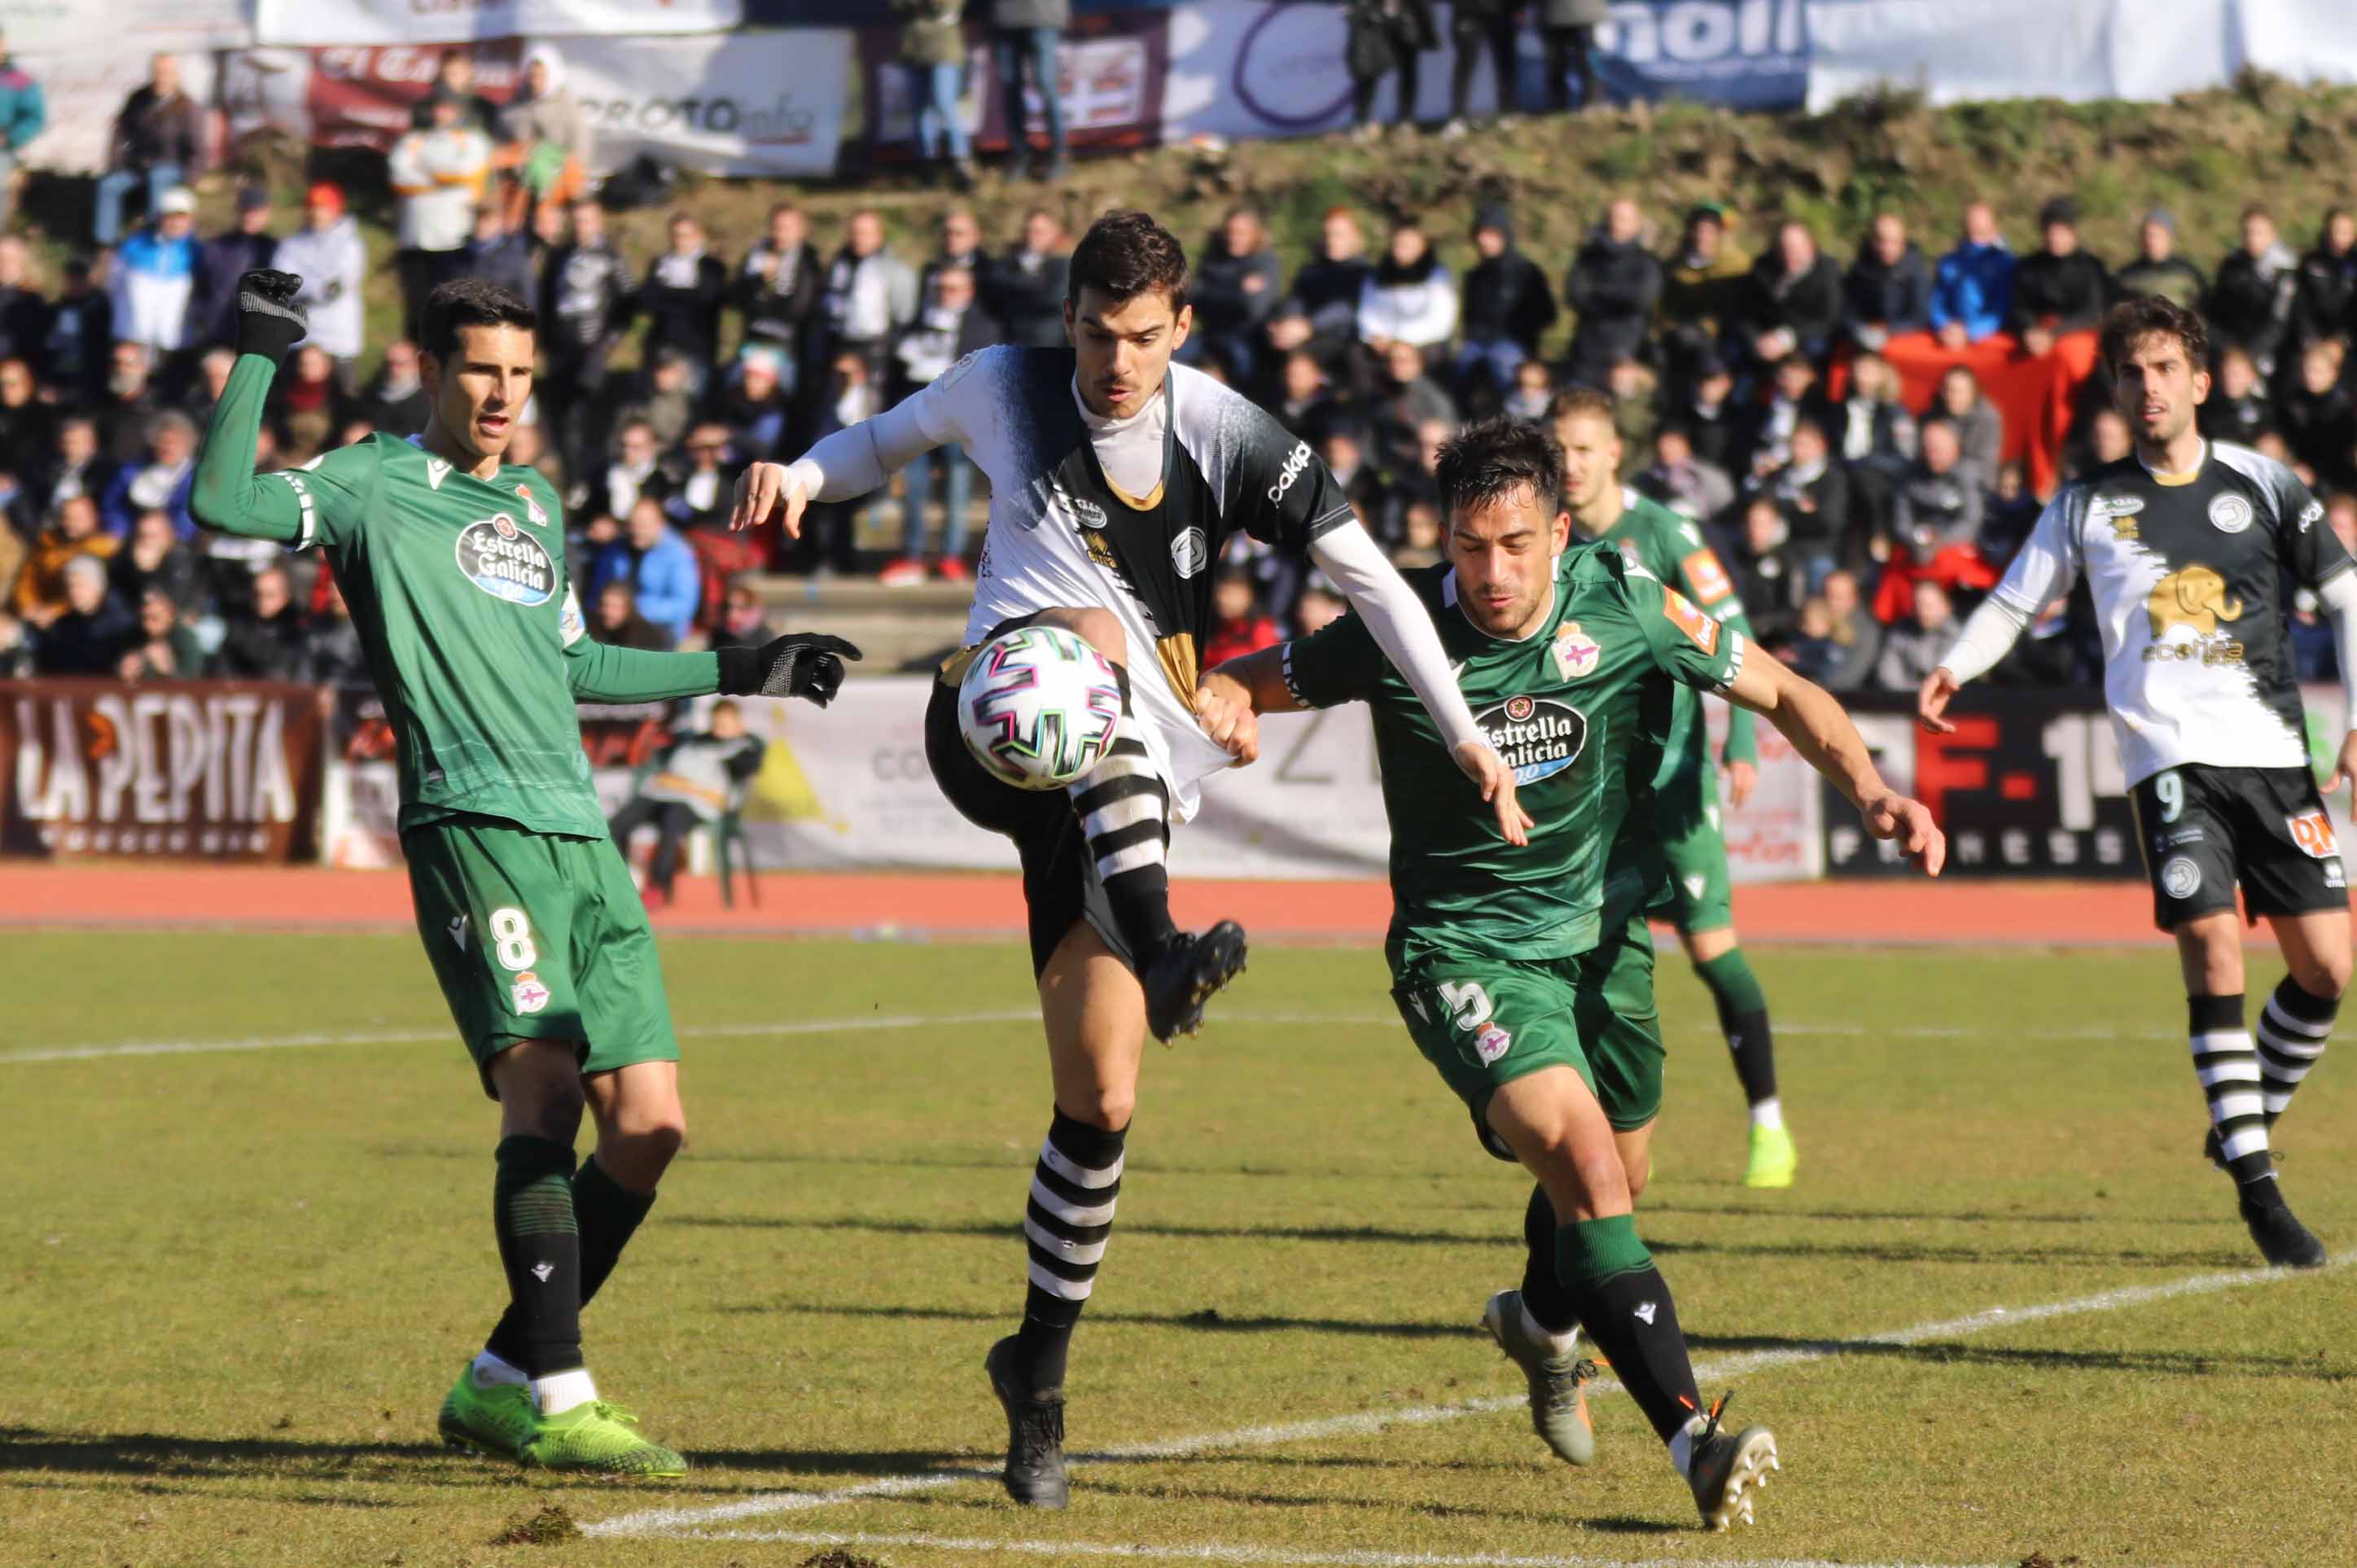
1644	1313
2194	597
1576	653
1296	461
458	930
2230	514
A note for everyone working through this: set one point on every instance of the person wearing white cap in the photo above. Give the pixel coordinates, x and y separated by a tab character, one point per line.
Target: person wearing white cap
153	279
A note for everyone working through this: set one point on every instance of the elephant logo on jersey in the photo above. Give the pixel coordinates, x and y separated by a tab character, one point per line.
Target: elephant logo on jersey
506	562
1536	738
2195	598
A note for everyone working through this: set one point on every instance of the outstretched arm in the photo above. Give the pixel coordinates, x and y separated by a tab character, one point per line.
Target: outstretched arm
854	461
1823	734
799	664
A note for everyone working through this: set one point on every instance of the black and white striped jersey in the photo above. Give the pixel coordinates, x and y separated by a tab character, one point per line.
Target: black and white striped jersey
2187	575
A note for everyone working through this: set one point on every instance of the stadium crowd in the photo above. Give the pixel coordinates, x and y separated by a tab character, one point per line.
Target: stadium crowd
1866	442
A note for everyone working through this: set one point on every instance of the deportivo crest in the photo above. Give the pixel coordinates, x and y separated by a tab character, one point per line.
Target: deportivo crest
2230	514
1535	738
532	506
505	561
528	994
1576	653
1492	1044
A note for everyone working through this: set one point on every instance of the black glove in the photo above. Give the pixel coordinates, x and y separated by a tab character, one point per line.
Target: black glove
269	322
799	664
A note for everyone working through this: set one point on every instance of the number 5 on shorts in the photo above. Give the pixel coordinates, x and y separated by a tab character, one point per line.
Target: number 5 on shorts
1467	1003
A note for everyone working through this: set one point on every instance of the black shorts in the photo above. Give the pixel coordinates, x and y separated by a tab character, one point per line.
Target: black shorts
1059	875
2204	829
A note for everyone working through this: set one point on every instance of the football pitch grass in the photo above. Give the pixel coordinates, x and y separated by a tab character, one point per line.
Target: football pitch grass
2006	1313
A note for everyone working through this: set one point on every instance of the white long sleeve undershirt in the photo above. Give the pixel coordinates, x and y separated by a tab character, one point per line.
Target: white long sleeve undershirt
1401	625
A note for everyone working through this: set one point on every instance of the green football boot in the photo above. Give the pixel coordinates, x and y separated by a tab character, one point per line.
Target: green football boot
599	1439
1773	1158
1728	1468
495	1420
1558	1408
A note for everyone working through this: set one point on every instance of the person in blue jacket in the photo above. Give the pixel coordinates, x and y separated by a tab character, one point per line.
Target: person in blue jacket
23	115
660	566
1973	290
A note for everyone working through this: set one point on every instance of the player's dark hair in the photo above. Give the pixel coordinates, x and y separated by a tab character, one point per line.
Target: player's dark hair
1126	255
1579	402
2132	321
1491	460
462	303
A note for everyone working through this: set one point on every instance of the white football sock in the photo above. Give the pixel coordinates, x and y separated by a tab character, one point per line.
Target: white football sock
1769	1112
492	1372
1681	1443
560	1391
1559	1343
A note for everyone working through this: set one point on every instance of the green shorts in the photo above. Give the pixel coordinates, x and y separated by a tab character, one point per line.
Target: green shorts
1686	821
538	937
1484	1021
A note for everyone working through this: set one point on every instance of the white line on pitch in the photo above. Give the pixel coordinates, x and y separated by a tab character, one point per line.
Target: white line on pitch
1275	1556
674	1522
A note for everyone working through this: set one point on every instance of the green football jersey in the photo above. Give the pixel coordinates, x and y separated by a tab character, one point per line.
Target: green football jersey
1673	550
1580	710
458	590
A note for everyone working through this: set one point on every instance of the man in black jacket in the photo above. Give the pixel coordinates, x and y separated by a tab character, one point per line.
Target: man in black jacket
247	247
1473	24
778	290
680	297
2250	305
1324	292
1237	282
2159	269
1794	301
1888	289
585	303
1612	287
1025	288
2328	281
2061	289
395	400
272	643
950	327
1507	307
159	142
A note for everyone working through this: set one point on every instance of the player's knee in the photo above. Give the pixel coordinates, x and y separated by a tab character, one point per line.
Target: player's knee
547	1110
1636	1174
2324	974
1107	1110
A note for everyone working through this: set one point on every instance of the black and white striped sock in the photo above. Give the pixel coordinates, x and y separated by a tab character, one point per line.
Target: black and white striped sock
2228	1066
2293	1029
1074	1187
1124	811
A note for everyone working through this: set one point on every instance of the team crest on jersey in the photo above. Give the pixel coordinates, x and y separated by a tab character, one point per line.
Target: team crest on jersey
1576	653
1535	738
505	561
528	994
2230	514
1492	1044
1681	613
1190	553
532	507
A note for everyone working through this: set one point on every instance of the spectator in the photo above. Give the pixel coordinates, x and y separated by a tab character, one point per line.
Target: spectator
1508	305
306	405
76	467
438	172
1812	492
1302	403
700	482
223	260
2250	305
680	298
1533	390
1611	289
81	328
1410	298
24	312
1792	395
28	425
620	624
1327	290
830	531
1236	283
205	388
1567	29
1794	303
1770	576
635	471
337	657
1717	428
1472	23
1636	412
1935	525
394	401
2059	291
1343	449
2108	441
960	245
153	280
22	116
547	144
871	295
87	637
1811	650
663	402
665	581
131	404
332	258
1694	489
2328	281
1853	630
159	143
161	481
498	253
2008	513
160	647
2159	269
16	523
1877	430
1025	36
1888	289
754	406
932	51
1916	646
528	448
697	779
72	536
1409	401
1979	427
585	301
454	80
1971	291
2318	420
155	559
1701	288
778	290
2238	408
1239	625
271	643
1027	287
952	326
1385	38
744	622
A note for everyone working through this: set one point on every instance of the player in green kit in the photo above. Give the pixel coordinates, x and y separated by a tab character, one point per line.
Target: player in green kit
453	563
1697	899
1524	975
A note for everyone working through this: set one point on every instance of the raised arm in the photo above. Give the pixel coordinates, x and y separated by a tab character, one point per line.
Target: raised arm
321	504
852	462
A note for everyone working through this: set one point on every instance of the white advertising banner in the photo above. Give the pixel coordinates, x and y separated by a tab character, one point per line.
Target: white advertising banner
1957	51
747	103
88	55
308	22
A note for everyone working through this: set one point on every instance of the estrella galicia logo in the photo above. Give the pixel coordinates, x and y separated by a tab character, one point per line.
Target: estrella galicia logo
505	561
1535	738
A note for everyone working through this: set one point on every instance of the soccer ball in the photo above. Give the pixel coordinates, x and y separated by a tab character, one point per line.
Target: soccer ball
1039	706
